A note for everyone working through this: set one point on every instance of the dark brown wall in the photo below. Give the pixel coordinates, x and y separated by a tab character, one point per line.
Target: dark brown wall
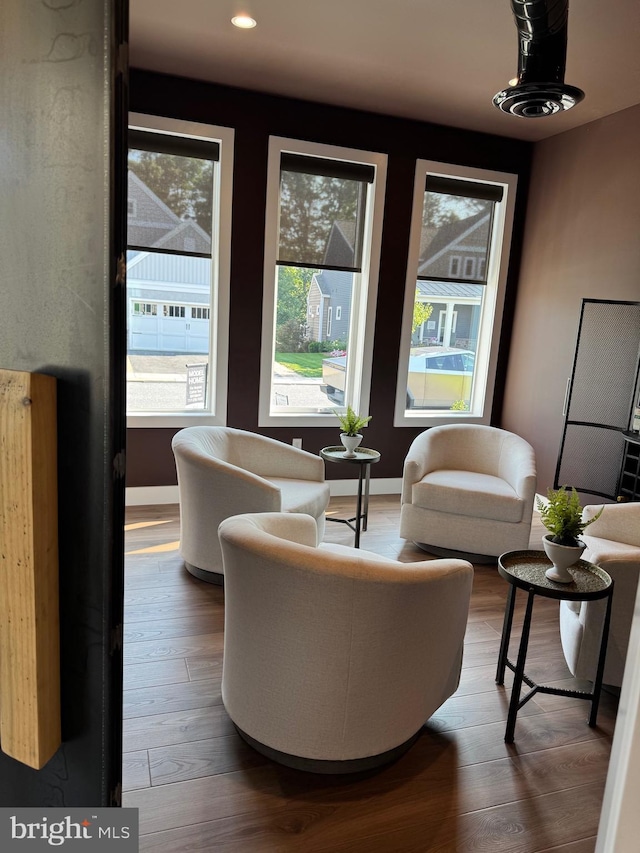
255	117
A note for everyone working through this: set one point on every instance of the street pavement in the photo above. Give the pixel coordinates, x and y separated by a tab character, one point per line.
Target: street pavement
158	383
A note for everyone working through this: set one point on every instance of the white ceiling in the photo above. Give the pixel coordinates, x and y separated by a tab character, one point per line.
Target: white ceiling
435	60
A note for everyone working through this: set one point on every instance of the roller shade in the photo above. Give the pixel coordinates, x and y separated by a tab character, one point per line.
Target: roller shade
463	189
322	207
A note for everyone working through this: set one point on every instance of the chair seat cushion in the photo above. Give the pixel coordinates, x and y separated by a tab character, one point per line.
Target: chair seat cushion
468	493
309	496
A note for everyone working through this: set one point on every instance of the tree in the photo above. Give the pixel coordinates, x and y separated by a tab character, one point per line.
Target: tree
440	209
291	310
293	287
421	312
309	207
184	184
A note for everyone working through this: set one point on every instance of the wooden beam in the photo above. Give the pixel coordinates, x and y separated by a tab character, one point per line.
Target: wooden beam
29	617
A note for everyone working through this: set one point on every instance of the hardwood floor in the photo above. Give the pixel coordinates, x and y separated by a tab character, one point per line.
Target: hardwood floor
459	788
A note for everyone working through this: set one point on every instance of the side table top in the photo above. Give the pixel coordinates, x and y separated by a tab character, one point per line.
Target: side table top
362	454
526	569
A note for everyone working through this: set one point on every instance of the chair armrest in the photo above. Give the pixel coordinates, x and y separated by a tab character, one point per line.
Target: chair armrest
416	464
215	483
618	522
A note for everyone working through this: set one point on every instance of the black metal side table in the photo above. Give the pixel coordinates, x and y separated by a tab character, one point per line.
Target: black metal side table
526	570
365	458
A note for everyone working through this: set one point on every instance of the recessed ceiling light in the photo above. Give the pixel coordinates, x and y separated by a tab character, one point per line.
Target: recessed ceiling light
244	22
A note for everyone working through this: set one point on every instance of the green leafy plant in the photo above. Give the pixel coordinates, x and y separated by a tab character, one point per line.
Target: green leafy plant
351	422
562	516
459	406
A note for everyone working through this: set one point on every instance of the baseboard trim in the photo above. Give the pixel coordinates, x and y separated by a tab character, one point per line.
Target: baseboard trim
156	495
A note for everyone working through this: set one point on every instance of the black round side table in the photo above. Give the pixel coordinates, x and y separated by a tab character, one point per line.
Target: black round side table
526	570
365	458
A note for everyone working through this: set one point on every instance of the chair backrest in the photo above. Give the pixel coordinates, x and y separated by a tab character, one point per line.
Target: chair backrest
334	655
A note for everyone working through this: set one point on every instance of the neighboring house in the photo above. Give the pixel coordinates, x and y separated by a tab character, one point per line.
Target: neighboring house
329	305
168	295
456	251
453	309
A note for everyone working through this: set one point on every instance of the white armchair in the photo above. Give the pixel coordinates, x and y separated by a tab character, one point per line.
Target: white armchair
334	657
468	489
613	543
223	472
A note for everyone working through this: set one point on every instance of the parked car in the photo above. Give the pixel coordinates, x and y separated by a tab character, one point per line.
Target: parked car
438	377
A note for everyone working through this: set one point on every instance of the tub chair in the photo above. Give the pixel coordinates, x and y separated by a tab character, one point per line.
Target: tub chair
468	490
223	472
613	543
334	657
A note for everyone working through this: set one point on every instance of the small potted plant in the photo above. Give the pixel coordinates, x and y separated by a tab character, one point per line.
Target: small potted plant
351	424
562	516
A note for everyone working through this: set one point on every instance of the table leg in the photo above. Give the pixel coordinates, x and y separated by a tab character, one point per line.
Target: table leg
365	514
506	634
519	670
359	507
597	685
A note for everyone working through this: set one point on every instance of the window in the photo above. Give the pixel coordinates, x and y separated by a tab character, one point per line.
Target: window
179	204
200	313
338	312
469	267
322	238
174	311
459	249
140	309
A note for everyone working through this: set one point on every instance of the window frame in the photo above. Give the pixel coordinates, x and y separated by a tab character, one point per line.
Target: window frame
363	315
216	413
492	303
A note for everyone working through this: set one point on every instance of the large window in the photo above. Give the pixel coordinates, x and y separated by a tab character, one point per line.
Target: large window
461	232
179	187
324	208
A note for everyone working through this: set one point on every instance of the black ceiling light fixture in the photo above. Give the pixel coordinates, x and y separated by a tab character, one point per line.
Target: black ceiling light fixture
539	89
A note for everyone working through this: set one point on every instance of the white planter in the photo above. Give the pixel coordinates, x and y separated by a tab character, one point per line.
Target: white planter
350	443
562	557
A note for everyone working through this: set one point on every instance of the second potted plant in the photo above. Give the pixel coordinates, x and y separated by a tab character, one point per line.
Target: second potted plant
562	516
351	424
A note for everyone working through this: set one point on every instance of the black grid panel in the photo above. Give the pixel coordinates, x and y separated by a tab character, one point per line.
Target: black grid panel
591	459
606	362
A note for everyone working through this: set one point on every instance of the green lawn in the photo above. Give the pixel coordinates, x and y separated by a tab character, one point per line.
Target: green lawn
307	364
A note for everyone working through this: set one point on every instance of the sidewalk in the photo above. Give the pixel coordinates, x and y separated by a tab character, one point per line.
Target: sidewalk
157	383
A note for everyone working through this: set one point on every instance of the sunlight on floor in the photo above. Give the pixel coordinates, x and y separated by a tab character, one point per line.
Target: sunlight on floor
138	525
157	549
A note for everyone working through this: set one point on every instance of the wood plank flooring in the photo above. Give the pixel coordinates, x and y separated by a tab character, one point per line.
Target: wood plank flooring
459	788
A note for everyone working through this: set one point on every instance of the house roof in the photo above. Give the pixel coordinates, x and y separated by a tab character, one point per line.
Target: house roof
447	290
446	237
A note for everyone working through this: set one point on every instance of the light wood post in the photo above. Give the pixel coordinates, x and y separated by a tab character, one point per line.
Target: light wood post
29	618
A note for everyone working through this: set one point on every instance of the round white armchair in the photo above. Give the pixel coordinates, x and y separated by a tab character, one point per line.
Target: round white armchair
334	657
223	472
468	489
